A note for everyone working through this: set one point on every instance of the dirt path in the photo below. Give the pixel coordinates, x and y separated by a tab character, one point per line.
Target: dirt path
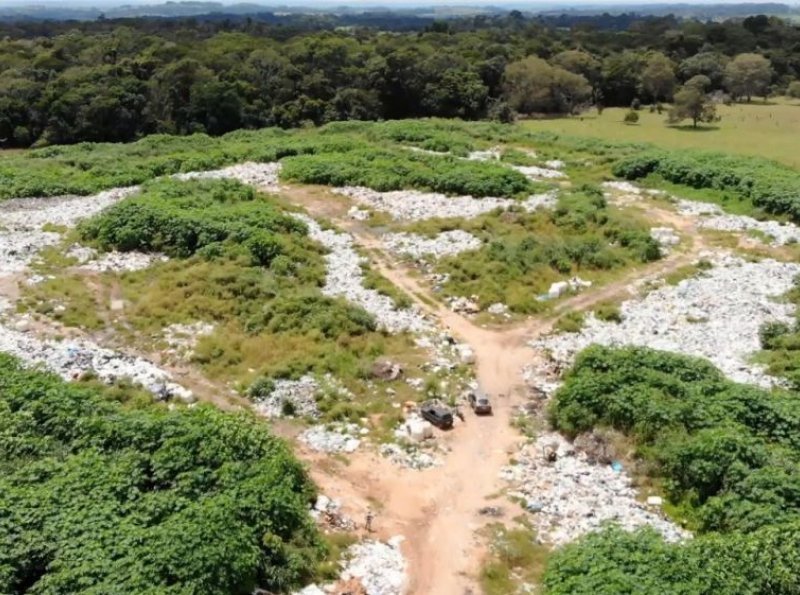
437	509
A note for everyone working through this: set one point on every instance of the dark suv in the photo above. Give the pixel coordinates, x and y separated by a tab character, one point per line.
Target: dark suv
479	402
439	416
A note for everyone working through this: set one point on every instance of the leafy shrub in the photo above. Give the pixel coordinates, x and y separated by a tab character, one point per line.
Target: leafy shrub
631	117
570	323
396	170
182	218
102	498
766	184
721	446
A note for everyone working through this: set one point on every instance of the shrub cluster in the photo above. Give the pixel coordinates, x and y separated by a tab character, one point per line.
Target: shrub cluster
397	169
728	455
768	185
103	498
727	451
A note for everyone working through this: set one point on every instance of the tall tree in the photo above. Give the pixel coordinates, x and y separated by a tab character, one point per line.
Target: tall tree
658	77
691	102
748	75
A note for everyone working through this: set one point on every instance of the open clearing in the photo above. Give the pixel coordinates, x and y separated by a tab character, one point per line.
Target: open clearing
764	130
290	301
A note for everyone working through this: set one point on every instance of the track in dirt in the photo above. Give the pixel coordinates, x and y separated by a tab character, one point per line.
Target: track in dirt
437	509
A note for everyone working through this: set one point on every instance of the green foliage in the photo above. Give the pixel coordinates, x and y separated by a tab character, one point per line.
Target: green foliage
631	117
184	218
766	184
100	498
608	312
572	322
523	253
726	449
616	562
781	344
396	170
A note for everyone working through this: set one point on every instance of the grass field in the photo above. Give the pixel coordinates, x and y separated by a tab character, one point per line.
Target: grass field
768	130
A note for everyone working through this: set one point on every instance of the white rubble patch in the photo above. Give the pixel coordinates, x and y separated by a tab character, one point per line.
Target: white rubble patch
72	359
487	155
345	278
533	172
499	309
695	208
379	566
571	496
448	243
622	186
22	223
410	457
121	262
716	316
555	164
183	338
780	233
548	200
413	205
299	394
262	175
357	214
666	237
332	438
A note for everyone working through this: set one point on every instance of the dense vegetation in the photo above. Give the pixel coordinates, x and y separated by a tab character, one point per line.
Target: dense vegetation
243	264
769	186
781	344
100	497
523	253
120	80
728	456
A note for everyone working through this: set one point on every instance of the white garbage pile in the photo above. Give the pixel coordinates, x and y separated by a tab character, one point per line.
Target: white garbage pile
75	358
716	315
569	496
409	456
448	243
112	262
262	175
413	205
380	567
345	278
548	200
183	338
23	222
333	438
779	233
666	237
492	154
535	173
376	567
328	512
296	396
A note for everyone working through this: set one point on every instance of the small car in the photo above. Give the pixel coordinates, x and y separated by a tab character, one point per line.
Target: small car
439	416
479	401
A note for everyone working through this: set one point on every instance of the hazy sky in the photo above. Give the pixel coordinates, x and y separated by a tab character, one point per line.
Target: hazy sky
385	3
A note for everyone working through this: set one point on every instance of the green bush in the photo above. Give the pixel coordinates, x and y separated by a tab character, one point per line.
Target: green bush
773	187
100	498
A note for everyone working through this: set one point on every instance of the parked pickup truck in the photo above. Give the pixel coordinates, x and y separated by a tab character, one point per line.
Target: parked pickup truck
439	416
479	401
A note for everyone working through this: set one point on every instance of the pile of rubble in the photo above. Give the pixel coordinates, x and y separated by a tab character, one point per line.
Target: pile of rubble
345	278
413	205
328	512
448	243
716	315
182	338
569	496
113	262
78	358
492	154
536	173
340	437
666	237
23	222
411	457
370	568
779	233
262	175
548	200
297	396
559	288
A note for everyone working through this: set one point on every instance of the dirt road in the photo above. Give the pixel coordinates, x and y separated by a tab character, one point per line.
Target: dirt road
437	509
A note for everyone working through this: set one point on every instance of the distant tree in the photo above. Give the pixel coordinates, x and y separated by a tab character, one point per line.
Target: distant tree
632	117
533	85
710	64
794	89
748	75
690	102
700	82
658	77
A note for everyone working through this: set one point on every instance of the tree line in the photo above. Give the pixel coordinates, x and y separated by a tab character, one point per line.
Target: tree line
120	80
